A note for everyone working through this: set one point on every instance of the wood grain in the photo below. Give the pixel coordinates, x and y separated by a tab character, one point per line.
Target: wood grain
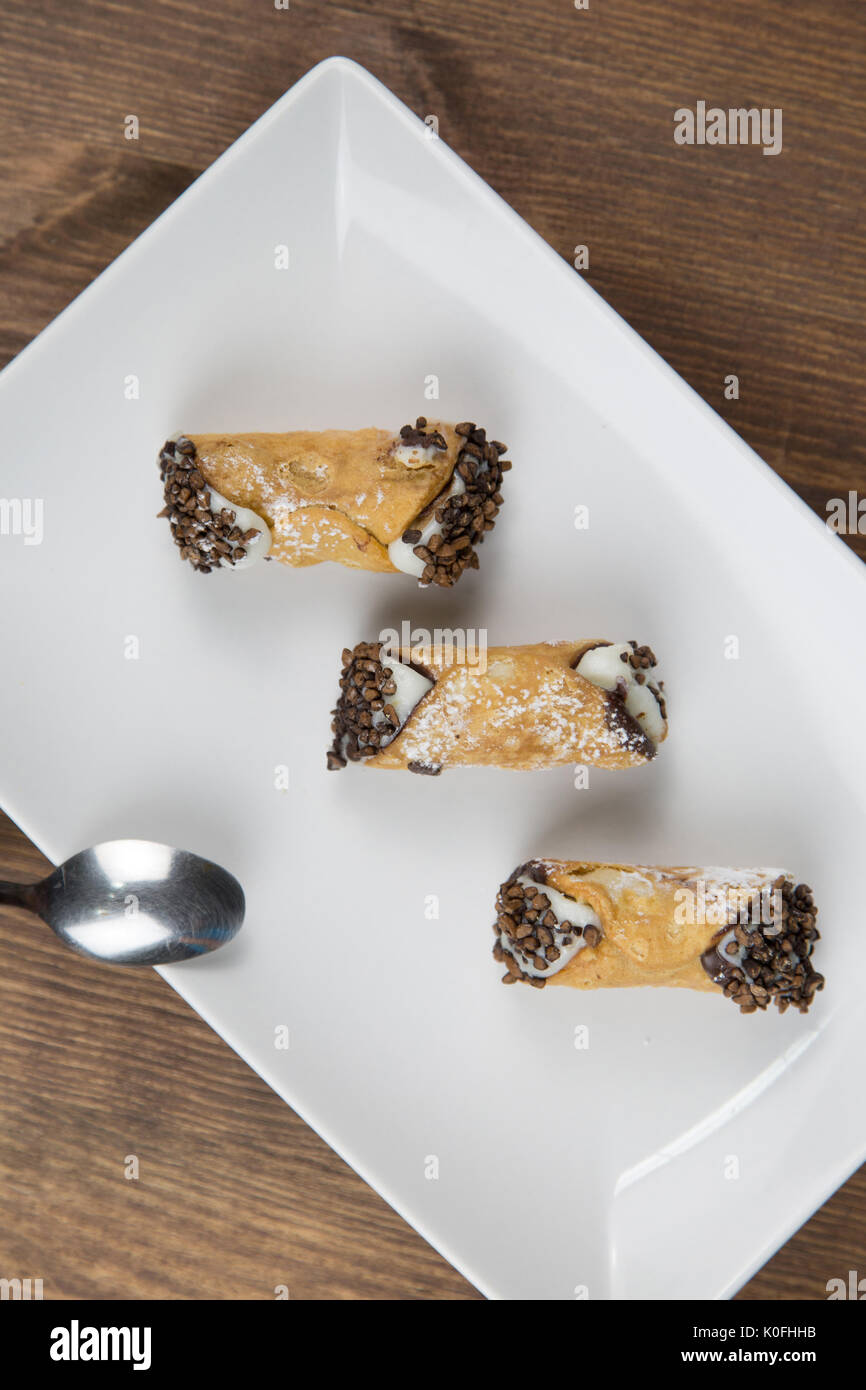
726	261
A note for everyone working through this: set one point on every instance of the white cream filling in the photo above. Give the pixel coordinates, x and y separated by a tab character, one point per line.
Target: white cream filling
411	685
734	957
245	520
413	456
603	666
258	546
739	956
401	553
569	913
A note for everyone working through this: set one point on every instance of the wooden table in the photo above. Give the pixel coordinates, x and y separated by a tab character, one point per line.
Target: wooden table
727	261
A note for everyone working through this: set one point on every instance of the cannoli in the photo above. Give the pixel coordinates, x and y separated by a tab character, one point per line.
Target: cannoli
428	706
747	933
419	502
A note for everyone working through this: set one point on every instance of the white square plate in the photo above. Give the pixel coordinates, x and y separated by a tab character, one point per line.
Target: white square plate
671	1156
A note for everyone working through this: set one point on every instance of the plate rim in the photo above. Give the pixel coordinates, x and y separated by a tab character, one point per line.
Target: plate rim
579	287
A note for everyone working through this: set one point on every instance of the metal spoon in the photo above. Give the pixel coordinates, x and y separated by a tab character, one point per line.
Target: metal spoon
133	902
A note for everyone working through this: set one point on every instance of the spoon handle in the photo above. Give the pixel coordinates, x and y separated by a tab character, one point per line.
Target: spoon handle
19	895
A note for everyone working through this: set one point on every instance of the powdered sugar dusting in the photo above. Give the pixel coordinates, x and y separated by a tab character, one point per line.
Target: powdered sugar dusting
331	494
529	709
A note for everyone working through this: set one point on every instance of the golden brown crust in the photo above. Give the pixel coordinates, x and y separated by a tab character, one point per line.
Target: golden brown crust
527	709
643	943
327	495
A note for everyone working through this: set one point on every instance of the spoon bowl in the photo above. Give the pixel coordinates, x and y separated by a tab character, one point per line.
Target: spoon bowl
134	902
